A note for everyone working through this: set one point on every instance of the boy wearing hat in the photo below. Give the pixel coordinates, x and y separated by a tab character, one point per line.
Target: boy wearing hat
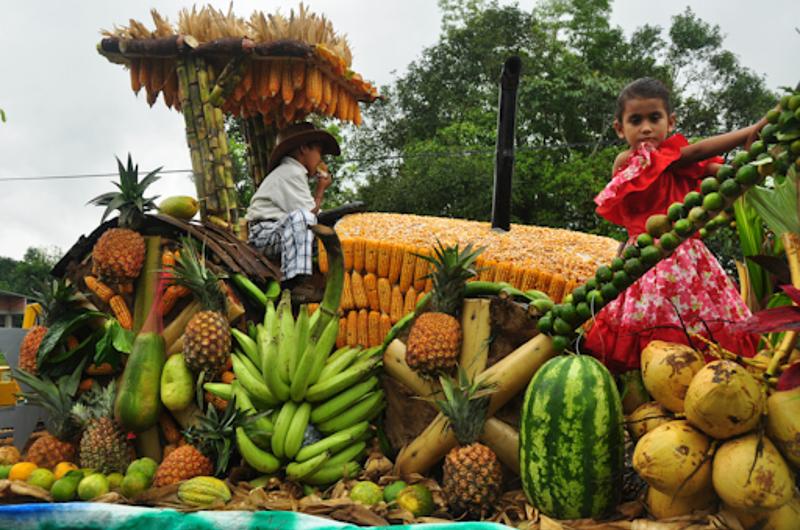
283	208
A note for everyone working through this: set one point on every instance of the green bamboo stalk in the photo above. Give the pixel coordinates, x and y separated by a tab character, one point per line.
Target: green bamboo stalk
184	65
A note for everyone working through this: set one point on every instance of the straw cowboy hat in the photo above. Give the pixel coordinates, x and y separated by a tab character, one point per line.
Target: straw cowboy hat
297	134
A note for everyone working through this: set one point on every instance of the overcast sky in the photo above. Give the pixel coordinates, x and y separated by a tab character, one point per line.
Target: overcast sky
70	111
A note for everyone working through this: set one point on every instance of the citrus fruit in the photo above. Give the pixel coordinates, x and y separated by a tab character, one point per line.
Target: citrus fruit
657	225
651	255
617	264
579	294
634	267
21	471
42	478
794	102
698	215
146	466
692	199
4	470
545	323
785	101
603	274
366	492
621	280
669	241
134	483
785	117
62	468
709	185
725	172
594	299
631	251
93	486
747	175
642	240
757	148
391	491
741	158
713	202
730	188
114	480
583	311
675	211
773	115
609	291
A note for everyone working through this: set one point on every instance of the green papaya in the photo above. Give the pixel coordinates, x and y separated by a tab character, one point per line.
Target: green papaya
179	206
138	398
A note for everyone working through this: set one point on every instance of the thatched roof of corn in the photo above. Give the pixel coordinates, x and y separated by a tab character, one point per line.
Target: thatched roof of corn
260	45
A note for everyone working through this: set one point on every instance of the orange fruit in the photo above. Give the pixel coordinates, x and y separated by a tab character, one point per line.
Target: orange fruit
63	468
21	471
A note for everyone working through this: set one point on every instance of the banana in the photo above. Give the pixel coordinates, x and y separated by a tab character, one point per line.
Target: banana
250	382
542	305
324	389
286	337
257	458
272	372
301	336
298	471
328	474
270	318
249	346
366	409
323	349
282	428
262	424
342	362
297	429
248	365
315	355
338	353
221	390
352	452
252	330
334	443
343	401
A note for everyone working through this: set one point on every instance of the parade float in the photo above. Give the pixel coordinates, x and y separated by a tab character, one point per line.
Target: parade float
437	379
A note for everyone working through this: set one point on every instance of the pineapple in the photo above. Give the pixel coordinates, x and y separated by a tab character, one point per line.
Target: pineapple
434	342
473	477
57	398
104	447
56	298
209	447
207	337
118	256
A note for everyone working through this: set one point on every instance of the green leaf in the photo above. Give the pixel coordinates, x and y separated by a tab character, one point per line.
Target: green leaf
777	206
59	330
751	236
80	348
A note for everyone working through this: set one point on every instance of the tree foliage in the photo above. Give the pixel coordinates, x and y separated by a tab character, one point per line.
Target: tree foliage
25	275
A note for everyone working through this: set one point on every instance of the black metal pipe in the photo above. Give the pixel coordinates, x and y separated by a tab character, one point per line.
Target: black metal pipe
504	158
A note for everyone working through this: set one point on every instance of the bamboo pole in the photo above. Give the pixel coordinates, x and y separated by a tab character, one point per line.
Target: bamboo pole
503	439
791	245
184	65
475	321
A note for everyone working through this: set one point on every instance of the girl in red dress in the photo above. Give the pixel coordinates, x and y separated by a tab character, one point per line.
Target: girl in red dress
660	168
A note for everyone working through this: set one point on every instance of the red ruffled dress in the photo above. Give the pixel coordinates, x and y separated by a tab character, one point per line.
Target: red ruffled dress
691	277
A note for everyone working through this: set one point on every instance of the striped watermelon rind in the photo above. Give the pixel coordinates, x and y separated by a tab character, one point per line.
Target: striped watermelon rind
571	439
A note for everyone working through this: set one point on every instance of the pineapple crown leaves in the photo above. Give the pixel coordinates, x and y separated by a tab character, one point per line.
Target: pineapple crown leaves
98	402
56	397
465	404
452	268
192	272
129	200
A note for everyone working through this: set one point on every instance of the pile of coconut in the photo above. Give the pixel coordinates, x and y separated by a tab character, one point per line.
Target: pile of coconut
713	434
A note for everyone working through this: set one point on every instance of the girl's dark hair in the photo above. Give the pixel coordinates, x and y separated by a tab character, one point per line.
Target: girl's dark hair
643	88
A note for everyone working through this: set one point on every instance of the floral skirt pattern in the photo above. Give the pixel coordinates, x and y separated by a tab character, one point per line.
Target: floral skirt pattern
690	283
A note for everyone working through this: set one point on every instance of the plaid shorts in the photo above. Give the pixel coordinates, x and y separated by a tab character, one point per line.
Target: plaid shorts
288	238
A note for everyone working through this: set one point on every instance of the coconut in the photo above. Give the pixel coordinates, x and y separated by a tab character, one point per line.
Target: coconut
663	506
647	417
672	458
724	400
787	517
783	423
747	479
667	370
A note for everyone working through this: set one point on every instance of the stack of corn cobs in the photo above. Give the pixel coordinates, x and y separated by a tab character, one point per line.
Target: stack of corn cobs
317	405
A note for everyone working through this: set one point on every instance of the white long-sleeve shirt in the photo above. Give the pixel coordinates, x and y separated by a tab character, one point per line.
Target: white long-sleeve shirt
284	190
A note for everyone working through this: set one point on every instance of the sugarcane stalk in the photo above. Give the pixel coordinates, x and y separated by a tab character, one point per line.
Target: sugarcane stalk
477	328
791	245
508	376
503	439
174	330
188	110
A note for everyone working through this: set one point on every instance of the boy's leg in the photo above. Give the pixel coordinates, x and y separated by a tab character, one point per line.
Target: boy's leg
297	242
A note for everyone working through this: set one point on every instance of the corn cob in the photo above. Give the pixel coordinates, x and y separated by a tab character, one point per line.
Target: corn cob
410	301
287	85
262	89
371	255
358	255
341	105
371	287
386	325
363	327
121	311
515	277
313	85
332	106
357	114
103	291
384	295
384	259
409	267
144	73
556	288
347	301
486	270
167	260
374	326
341	337
421	269
327	93
298	74
136	85
352	328
322	258
502	272
275	76
396	264
85	385
396	310
359	292
172	294
347	254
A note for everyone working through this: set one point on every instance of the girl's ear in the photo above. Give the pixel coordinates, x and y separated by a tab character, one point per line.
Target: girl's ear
618	129
671	122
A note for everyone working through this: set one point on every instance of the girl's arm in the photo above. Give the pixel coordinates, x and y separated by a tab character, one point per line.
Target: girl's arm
722	143
621	159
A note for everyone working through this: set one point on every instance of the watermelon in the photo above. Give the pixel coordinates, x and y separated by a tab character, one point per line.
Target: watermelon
571	439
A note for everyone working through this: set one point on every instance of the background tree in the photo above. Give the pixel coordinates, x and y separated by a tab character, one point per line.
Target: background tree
27	275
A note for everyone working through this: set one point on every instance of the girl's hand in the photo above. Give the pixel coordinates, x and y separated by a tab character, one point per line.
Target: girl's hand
755	129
